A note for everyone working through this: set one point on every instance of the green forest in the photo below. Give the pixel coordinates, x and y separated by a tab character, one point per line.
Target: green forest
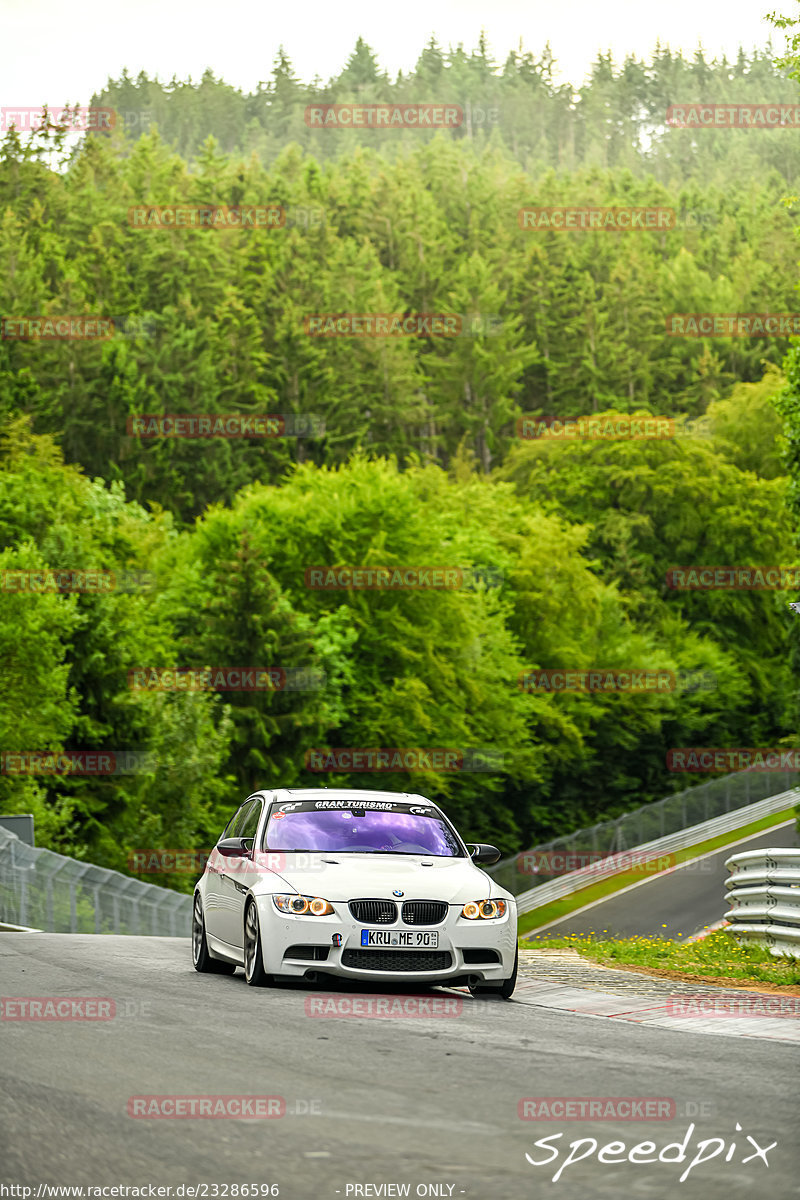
395	452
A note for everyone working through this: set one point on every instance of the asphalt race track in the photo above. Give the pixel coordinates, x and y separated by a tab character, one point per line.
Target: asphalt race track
429	1102
683	900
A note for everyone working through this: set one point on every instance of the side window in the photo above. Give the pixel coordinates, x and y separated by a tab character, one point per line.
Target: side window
234	826
249	826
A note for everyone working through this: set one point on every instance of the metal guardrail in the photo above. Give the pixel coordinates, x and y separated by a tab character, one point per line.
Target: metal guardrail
56	894
555	889
764	897
642	825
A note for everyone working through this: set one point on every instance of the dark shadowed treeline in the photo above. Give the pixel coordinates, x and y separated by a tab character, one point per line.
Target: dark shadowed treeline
214	320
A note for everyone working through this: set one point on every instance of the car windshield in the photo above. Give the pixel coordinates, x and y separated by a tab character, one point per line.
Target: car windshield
353	830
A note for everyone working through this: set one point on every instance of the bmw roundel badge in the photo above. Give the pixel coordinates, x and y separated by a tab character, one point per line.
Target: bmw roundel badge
397	892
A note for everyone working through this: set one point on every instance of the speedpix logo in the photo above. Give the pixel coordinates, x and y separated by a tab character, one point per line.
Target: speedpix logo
614	1153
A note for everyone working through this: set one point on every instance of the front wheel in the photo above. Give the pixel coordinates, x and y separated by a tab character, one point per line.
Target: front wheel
254	971
505	990
201	956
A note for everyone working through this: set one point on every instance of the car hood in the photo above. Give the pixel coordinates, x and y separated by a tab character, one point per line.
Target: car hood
343	877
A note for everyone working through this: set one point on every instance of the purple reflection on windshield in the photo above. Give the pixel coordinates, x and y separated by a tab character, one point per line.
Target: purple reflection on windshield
340	831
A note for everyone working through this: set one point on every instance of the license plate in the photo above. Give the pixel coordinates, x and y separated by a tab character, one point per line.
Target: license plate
413	939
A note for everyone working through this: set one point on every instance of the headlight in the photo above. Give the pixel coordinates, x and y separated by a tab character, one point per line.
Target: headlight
484	910
303	906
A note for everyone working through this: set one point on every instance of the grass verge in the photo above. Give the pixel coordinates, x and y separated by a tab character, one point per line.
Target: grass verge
714	959
606	887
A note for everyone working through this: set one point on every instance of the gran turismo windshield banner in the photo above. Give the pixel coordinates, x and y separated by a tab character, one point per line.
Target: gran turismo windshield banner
356	825
348	804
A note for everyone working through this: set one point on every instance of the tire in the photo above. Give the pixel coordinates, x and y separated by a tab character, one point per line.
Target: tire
504	990
254	971
201	956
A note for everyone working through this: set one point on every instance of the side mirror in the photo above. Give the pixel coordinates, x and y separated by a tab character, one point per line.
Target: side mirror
235	847
483	853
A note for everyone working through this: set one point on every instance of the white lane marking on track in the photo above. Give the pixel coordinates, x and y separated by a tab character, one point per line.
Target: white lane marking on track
456	1126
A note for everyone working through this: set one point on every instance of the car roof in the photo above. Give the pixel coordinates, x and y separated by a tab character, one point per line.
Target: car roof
356	793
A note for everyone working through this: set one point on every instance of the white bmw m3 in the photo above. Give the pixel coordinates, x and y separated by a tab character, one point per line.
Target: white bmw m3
373	886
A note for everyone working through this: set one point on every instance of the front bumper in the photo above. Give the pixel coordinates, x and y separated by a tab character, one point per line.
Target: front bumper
288	943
